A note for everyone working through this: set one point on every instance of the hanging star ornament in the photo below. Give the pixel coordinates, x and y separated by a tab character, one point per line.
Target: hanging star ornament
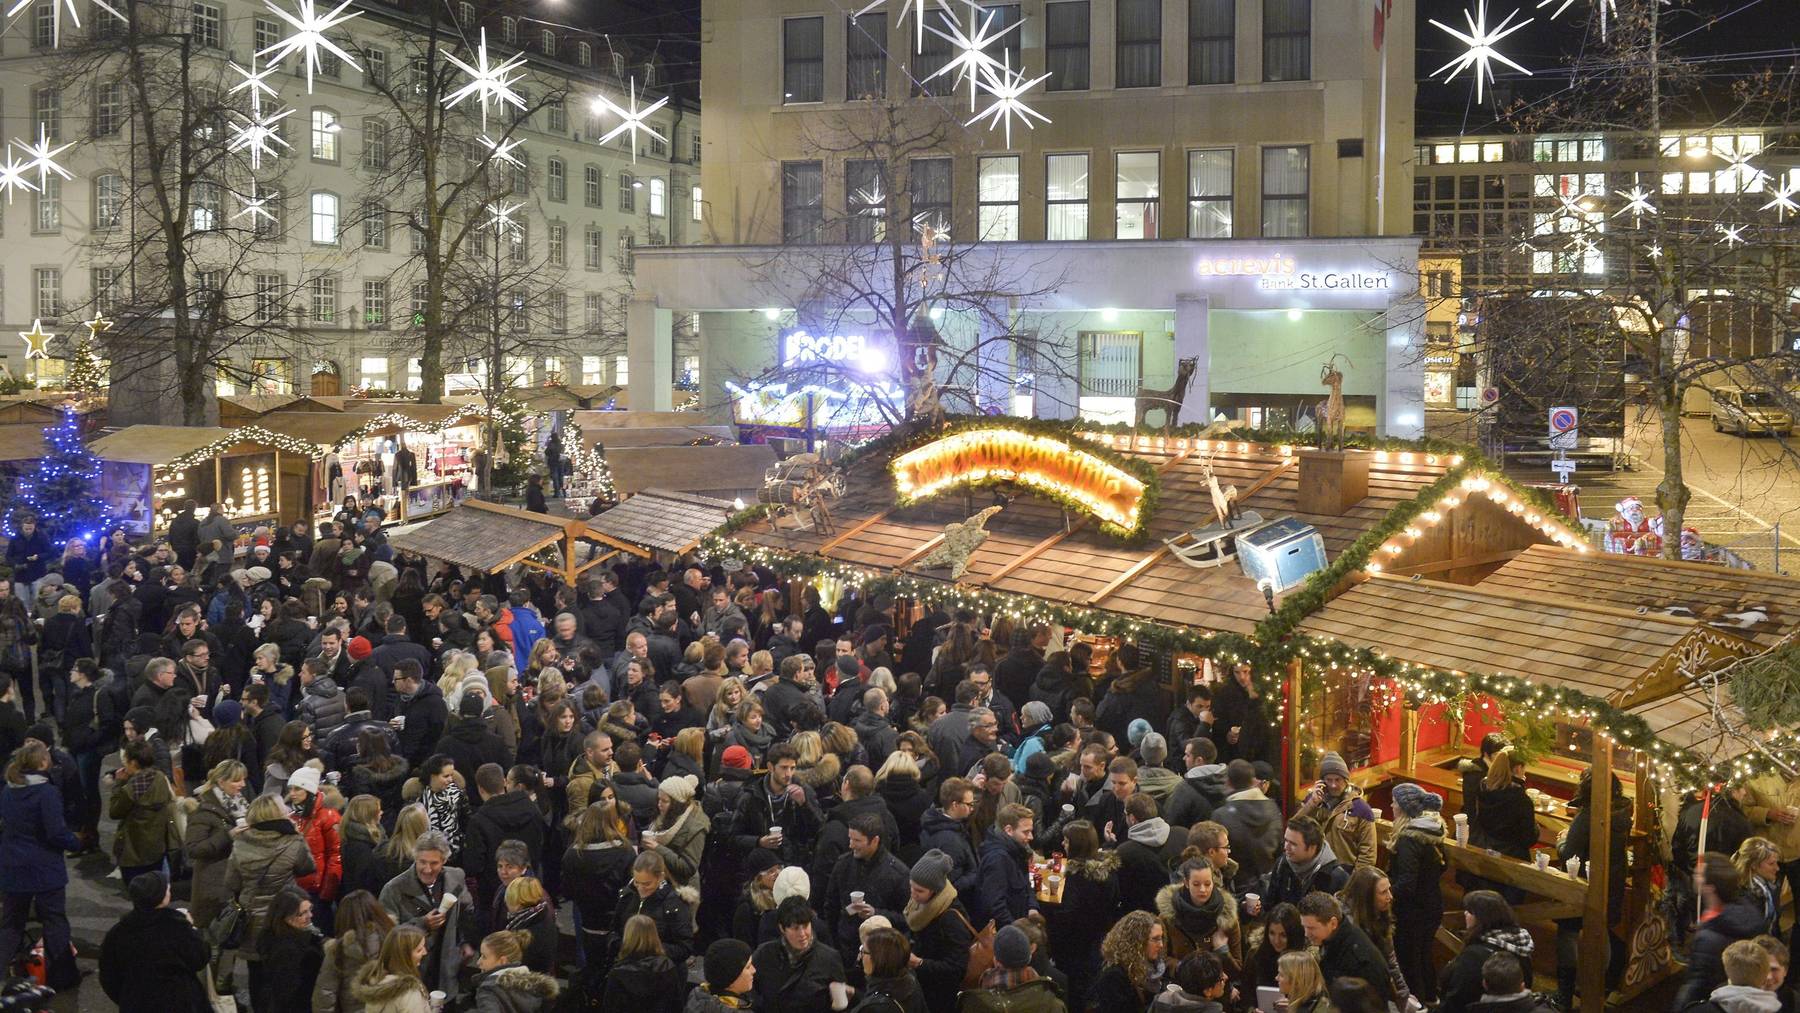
1783	203
13	175
1481	54
971	58
1008	88
309	35
1637	203
96	326
502	150
254	80
259	132
1654	251
1608	9
491	83
872	199
500	217
1733	235
1749	176
917	9
257	207
37	342
56	15
633	117
43	157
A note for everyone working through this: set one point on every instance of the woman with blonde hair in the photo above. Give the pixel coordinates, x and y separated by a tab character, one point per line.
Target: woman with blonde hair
395	855
268	857
361	926
217	813
503	717
359	834
505	981
542	661
1758	862
724	711
1505	820
528	910
818	769
749	731
644	980
1302	983
390	983
762	665
898	784
914	744
687	755
1133	947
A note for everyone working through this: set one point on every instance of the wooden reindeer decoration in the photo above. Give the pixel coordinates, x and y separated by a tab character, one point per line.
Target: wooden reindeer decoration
1331	410
1224	501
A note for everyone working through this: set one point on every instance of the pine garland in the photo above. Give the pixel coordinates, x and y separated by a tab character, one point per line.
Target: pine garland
1767	688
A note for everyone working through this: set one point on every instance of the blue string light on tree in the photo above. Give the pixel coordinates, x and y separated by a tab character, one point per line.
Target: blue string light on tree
60	490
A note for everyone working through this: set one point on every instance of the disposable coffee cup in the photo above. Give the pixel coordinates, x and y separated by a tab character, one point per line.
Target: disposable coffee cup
447	903
1252	899
840	995
200	701
856	896
649	838
437	1001
1067	810
1543	861
399	721
1376	811
1573	865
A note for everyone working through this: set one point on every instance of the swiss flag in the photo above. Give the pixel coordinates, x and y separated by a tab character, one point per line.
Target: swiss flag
1383	9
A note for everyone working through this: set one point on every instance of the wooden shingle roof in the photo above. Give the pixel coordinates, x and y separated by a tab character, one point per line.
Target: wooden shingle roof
730	469
325	428
1632	582
484	536
661	519
22	442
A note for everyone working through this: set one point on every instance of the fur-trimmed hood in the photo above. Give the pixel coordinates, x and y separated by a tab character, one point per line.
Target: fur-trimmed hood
517	978
389	989
1099	868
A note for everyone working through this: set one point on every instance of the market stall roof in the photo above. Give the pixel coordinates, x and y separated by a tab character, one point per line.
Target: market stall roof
1710	592
312	403
327	429
1029	552
657	436
44	407
661	519
591	420
490	537
155	444
560	397
238	409
734	469
22	442
1615	654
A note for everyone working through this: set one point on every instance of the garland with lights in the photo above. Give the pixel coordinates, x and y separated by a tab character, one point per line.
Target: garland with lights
589	460
59	489
244	434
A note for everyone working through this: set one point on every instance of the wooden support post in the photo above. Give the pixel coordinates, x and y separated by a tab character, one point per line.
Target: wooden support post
1409	738
1290	752
1594	927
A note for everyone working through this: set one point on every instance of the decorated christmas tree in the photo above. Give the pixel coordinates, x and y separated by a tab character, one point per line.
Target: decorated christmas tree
61	491
87	374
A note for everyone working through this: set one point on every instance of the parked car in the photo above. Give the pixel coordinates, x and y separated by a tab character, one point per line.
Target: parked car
1746	411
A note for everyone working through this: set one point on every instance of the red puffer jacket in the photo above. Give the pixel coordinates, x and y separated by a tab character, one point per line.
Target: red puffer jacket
321	833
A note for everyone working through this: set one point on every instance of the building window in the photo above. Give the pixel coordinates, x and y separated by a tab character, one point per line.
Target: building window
109	200
865	56
1138	193
1002	20
594	312
374	68
1209	193
421	295
206	26
518	243
621	370
1066	197
558	245
802	201
324	135
375	305
49	206
593	249
547	42
556	307
324	289
373	373
209	205
930	192
43	25
1212	41
627	193
558	180
865	200
998	199
802	60
325	218
1287	40
1066	46
106	288
49	292
659	197
591	185
109	109
465	14
559	116
509	31
46	111
271	376
694	147
375	227
374	144
933	56
519	320
584	54
1140	43
699	204
266	33
592	372
1284	192
269	298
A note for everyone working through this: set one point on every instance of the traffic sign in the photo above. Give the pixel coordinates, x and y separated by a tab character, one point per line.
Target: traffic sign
1564	467
1490	395
1564	428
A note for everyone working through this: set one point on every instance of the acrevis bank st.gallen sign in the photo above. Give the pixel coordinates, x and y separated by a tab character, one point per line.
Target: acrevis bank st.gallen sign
1281	272
1057	467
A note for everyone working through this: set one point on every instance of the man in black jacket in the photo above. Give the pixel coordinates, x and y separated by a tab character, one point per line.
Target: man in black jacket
339	749
857	788
507	813
604	613
1345	951
151	959
794	972
1014	673
1307	866
469	742
777	800
632	784
422	713
396	646
1253	821
792	689
865	881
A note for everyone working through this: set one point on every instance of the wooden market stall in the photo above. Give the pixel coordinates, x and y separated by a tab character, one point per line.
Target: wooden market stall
243	409
732	470
361	455
662	520
147	471
488	538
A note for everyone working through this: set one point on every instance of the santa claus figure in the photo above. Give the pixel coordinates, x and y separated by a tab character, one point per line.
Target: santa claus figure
1630	531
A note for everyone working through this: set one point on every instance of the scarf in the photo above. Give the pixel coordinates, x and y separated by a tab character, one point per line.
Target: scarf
1513	940
757	742
521	919
236	806
664	833
920	915
1199	921
444	808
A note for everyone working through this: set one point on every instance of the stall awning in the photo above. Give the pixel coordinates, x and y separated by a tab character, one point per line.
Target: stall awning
1618	655
661	519
22	442
733	469
155	444
328	429
489	537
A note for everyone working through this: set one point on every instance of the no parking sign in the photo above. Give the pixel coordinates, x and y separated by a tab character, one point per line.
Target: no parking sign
1564	428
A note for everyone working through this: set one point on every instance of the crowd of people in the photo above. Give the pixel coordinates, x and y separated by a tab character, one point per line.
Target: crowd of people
384	785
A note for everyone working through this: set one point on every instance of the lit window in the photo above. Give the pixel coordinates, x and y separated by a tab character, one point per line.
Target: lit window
1467	152
621	370
374	372
659	197
325	218
1139	191
699	210
1493	151
324	135
592	373
1066	197
998	199
1209	193
324	292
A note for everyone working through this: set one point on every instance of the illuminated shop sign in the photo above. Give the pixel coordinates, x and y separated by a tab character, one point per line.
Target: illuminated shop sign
1054	467
1280	272
854	351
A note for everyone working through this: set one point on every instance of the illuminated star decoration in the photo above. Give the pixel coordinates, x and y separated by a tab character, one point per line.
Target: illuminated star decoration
259	132
1637	202
1481	53
1749	176
253	79
633	117
917	9
1608	9
13	175
1008	88
309	35
43	157
971	59
502	150
873	200
1654	251
1783	203
37	342
500	217
96	325
489	82
256	206
56	10
1733	234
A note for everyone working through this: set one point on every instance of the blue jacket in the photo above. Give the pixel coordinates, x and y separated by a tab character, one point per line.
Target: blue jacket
34	838
527	630
1003	892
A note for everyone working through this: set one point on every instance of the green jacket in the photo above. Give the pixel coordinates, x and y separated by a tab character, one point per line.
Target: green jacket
145	809
1032	997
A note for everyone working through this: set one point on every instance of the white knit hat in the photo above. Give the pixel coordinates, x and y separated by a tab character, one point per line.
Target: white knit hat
792	882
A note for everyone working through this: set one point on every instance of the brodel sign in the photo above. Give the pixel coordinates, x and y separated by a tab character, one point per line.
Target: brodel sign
1055	467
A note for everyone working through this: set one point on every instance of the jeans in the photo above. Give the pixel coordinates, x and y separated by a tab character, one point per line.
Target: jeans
87	765
56	692
16	911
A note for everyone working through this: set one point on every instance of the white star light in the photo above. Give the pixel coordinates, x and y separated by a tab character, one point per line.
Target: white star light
56	13
502	150
1654	251
253	79
972	58
256	207
259	132
1783	203
1734	234
43	156
1481	53
1008	88
1637	202
500	217
873	200
492	83
13	175
633	117
1750	178
917	9
309	36
1608	9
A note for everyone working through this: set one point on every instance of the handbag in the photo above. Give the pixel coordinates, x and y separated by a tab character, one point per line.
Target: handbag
226	930
981	952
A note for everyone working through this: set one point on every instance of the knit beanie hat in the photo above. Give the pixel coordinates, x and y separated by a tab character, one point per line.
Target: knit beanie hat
759	861
1331	764
1037	712
306	779
1136	731
725	960
227	713
932	870
1011	948
680	789
360	648
735	756
1413	801
471	706
793	882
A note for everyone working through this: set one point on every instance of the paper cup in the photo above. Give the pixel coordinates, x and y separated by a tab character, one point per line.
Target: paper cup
1543	861
1573	865
856	896
840	995
437	1001
447	903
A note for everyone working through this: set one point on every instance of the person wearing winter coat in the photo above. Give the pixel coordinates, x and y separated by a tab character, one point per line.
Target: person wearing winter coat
266	859
1339	809
1003	893
1147	855
507	812
1241	727
1307	864
33	875
505	984
644	980
1415	874
150	961
359	835
889	986
1090	884
1197	984
596	870
678	833
416	897
1253	822
323	704
1131	954
941	930
795	970
1730	914
215	815
1345	950
1504	990
945	828
144	804
650	893
1491	928
778	800
1194	910
1505	820
1574	843
291	951
897	783
318	826
728	978
391	983
361	926
470	742
1202	787
867	880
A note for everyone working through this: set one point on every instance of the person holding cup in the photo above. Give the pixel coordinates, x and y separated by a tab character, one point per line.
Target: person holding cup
795	972
778	812
390	983
433	896
1415	872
